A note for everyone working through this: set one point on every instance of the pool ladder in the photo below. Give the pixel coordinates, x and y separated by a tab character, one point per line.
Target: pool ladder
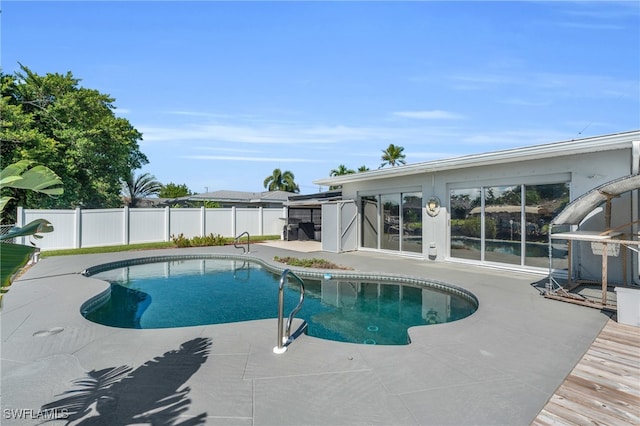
285	338
244	251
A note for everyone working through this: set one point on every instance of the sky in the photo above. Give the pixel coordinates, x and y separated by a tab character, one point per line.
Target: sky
225	92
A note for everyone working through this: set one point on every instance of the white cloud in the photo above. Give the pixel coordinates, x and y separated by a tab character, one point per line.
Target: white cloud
252	159
490	141
556	84
590	26
268	133
222	149
429	115
524	102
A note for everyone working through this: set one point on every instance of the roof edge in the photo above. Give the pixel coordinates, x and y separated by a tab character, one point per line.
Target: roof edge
575	146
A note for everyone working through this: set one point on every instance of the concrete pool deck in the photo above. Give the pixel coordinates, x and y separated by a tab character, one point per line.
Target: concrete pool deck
497	367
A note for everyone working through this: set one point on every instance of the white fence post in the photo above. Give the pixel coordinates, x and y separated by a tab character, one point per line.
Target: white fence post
285	213
125	225
77	221
20	222
167	223
233	221
203	219
261	220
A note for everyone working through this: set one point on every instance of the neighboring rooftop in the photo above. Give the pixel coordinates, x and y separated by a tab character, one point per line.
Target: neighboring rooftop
243	196
225	198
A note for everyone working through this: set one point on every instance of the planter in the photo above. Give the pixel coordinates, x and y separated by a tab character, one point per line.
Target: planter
628	300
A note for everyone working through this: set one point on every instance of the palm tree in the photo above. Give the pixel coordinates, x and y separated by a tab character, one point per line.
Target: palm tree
393	156
363	169
281	181
341	170
135	188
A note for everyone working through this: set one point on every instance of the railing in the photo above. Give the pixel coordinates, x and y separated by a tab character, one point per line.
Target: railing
246	266
245	251
284	334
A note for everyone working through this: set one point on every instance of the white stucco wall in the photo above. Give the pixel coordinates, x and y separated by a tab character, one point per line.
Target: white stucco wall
583	171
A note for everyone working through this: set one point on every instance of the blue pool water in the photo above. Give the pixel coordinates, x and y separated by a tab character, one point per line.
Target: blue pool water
190	292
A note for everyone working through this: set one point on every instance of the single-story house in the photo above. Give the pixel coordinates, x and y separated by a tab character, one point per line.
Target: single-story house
493	209
226	198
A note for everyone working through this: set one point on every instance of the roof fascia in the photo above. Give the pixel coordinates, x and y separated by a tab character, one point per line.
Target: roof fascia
577	146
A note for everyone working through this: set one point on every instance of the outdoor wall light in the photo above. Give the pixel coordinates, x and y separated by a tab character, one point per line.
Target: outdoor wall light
433	206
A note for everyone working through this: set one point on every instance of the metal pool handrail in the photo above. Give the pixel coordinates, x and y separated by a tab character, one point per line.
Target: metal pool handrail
242	247
284	335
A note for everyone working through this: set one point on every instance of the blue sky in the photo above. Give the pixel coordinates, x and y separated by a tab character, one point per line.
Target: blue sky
224	92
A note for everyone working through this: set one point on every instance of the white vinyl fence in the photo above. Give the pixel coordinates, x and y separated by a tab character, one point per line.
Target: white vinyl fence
103	227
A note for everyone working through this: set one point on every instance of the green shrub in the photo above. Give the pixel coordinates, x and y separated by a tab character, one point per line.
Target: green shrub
181	241
208	240
309	263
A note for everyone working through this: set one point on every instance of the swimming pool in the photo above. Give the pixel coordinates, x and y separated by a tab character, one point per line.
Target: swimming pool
187	291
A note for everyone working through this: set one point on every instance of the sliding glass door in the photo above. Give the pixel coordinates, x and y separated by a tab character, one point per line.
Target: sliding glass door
543	202
507	224
369	224
391	218
391	222
502	220
466	223
412	222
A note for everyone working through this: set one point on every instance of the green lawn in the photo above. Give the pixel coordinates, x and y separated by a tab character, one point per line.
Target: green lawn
145	246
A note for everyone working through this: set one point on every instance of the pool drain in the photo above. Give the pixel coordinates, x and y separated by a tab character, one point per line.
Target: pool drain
373	328
369	342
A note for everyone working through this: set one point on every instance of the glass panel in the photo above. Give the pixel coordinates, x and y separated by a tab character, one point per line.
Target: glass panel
465	205
543	203
412	222
370	225
391	219
502	209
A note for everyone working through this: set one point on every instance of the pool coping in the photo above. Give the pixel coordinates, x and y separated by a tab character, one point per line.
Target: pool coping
312	273
498	366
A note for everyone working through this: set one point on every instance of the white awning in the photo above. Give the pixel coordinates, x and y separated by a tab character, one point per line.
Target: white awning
579	208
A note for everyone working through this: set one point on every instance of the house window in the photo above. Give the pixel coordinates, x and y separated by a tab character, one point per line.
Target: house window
392	222
390	204
543	203
412	222
466	223
507	224
502	224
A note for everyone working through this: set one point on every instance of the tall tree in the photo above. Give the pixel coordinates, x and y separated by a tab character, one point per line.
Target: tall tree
341	170
281	181
73	130
172	190
393	156
138	187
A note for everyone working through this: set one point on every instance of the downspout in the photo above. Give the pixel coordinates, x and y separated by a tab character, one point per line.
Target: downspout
635	169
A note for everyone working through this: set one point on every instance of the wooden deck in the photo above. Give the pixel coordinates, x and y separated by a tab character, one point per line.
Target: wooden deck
604	387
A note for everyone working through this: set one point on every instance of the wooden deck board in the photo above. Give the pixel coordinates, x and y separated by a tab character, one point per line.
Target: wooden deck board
604	387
